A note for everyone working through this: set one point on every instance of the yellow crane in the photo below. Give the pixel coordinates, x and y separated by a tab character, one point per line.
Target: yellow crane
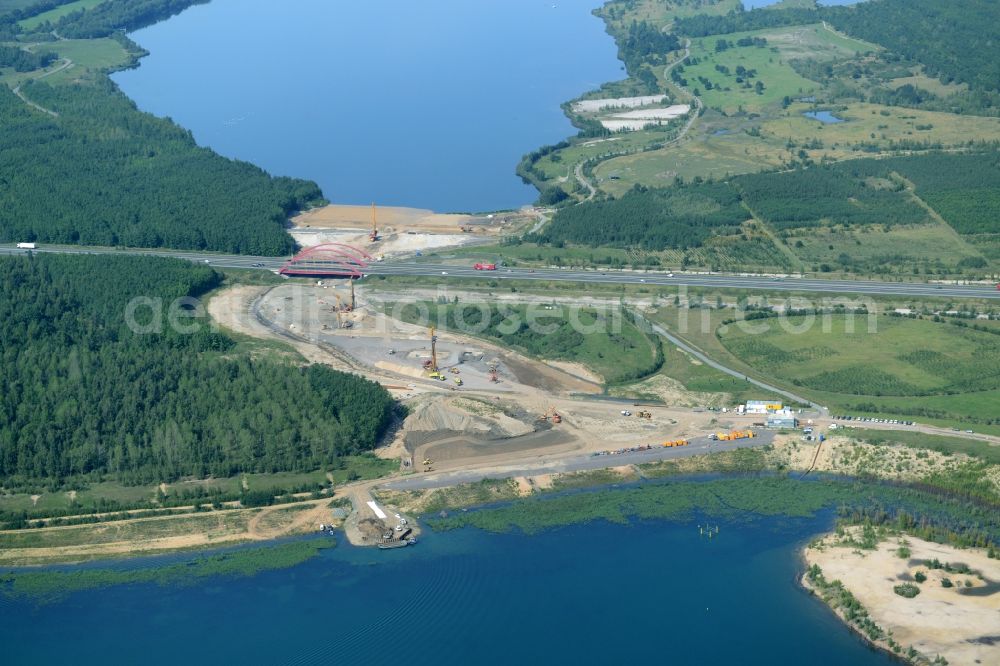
431	364
353	301
373	236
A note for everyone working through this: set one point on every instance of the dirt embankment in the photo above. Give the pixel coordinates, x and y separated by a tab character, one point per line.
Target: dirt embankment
396	218
961	622
432	415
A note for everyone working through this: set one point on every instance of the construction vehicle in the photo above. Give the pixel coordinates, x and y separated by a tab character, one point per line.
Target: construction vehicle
454	370
353	303
341	322
458	381
484	267
551	413
494	366
373	236
437	375
465	229
431	364
644	414
675	442
732	436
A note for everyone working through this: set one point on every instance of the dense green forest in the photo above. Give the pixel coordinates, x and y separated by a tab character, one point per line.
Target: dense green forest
955	40
964	188
100	21
653	219
127	15
645	43
25	61
83	395
103	173
827	195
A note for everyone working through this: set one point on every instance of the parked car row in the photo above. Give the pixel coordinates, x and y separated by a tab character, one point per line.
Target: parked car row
868	419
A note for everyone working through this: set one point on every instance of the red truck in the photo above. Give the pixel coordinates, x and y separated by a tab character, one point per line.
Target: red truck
485	267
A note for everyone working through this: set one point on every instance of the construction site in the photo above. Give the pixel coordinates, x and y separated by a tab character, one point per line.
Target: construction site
474	409
393	232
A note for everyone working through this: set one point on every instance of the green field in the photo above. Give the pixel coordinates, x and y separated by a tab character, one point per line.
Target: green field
910	249
746	128
720	146
966	407
902	357
770	63
99	55
54	15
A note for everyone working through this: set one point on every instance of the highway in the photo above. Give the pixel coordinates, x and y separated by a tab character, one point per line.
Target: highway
445	271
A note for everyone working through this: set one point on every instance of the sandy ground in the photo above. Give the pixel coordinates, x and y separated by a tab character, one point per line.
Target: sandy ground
577	370
594	105
637	120
403	231
964	628
669	113
388	217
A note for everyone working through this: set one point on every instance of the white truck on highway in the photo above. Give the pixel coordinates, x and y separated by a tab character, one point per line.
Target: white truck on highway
27	246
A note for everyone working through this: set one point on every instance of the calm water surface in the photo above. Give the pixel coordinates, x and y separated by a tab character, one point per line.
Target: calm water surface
428	104
597	594
824	117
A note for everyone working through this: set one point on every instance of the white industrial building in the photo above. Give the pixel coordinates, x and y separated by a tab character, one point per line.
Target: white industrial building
759	407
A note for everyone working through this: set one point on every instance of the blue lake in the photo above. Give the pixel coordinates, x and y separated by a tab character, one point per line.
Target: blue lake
595	594
428	104
823	116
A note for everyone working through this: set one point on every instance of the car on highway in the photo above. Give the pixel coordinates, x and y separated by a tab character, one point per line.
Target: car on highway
444	272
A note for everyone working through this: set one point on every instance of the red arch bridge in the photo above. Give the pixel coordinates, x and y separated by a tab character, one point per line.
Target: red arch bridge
328	260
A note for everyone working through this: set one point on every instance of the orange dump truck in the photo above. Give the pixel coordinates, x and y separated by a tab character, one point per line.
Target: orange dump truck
675	442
